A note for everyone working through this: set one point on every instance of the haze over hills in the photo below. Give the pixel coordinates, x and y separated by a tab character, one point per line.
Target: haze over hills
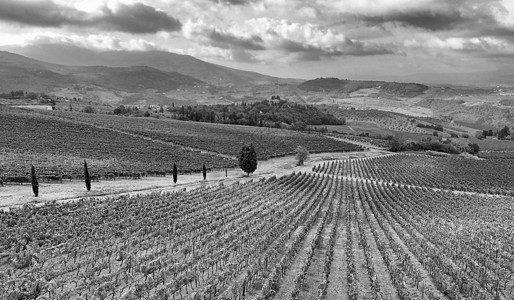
21	73
165	61
139	83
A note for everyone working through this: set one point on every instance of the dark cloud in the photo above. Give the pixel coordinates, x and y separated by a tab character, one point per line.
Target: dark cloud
229	41
137	18
430	20
349	48
234	2
39	13
469	18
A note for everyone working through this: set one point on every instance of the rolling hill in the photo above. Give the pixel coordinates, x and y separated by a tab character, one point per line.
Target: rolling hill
344	86
21	73
165	61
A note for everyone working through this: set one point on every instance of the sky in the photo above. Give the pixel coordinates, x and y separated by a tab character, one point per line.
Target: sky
358	39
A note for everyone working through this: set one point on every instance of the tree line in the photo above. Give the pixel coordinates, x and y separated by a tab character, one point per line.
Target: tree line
277	113
501	134
247	163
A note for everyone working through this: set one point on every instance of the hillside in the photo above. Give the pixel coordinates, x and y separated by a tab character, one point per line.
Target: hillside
134	79
344	86
22	73
165	61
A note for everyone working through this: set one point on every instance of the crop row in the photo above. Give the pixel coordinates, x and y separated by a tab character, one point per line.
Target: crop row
484	176
220	138
302	236
56	146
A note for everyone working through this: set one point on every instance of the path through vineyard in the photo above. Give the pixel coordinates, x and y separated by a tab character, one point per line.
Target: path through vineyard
11	195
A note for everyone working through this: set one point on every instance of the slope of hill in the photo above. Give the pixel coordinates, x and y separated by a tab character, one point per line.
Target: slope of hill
21	73
344	86
164	61
134	79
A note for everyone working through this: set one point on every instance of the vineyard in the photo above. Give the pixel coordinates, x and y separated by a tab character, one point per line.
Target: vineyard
488	176
383	119
343	232
220	138
58	147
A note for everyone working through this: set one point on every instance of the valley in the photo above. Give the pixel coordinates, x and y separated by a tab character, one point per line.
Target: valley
132	180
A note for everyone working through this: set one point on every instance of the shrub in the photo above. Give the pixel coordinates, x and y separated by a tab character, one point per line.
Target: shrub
89	110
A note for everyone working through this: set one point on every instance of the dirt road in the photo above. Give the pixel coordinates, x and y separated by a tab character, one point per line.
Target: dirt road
14	195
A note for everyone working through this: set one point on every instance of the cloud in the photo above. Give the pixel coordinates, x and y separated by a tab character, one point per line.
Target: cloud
476	44
468	17
135	18
228	40
98	42
302	41
430	20
234	2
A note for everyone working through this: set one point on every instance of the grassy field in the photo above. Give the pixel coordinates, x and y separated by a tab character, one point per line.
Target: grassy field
358	233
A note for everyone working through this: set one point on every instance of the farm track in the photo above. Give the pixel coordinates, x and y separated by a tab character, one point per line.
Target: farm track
73	191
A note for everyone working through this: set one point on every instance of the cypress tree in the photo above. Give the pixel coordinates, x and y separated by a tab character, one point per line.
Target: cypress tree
87	178
204	170
175	173
248	159
35	183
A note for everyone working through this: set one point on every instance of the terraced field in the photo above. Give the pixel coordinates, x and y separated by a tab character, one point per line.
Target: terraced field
342	233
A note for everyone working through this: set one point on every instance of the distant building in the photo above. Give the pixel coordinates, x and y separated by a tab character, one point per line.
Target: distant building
275	99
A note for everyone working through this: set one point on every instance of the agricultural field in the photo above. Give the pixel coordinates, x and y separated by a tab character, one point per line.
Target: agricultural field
58	147
301	236
219	138
488	176
383	119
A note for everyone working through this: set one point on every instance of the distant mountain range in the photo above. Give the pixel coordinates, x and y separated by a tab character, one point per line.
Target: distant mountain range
213	74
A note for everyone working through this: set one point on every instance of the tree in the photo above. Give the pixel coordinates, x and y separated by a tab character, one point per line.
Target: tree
395	145
89	110
35	184
248	159
503	133
301	155
204	170
87	178
175	175
473	148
